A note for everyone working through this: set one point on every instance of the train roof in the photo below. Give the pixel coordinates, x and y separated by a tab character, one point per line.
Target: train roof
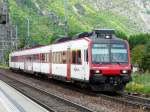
104	31
86	34
97	35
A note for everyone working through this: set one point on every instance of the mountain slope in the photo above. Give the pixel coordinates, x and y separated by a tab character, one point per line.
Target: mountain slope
47	20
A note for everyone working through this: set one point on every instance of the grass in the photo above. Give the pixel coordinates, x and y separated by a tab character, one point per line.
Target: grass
140	83
3	66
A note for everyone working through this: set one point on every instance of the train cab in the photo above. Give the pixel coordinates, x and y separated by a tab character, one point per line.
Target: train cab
110	66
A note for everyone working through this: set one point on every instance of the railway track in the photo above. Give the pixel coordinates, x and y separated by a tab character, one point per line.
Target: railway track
144	102
122	98
130	100
50	101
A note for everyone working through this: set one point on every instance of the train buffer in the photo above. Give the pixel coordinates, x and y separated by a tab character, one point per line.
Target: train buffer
13	101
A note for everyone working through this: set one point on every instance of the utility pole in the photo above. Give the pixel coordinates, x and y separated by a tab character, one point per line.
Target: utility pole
16	37
66	27
28	27
28	33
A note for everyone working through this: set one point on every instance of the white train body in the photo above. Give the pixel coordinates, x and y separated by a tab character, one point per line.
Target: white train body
53	60
99	58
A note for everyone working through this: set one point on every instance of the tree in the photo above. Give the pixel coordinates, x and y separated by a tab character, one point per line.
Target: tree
145	61
137	54
139	39
21	43
121	35
147	48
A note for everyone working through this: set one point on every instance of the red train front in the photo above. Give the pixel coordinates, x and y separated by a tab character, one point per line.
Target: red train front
110	66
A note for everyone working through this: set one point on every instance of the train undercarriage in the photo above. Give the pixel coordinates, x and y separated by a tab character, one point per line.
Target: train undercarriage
109	83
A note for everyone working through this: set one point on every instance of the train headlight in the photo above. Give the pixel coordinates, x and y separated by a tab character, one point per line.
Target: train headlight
97	71
108	36
124	71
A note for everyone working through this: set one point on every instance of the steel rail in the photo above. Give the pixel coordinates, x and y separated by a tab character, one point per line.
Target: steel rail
124	98
130	100
66	101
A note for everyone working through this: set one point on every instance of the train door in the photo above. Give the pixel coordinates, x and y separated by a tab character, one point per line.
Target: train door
86	65
77	68
28	63
50	64
68	64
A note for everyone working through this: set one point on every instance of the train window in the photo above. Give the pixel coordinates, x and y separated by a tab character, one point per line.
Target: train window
64	57
74	57
36	57
78	56
30	58
13	59
50	57
53	57
64	53
42	57
57	57
52	60
86	55
47	57
60	54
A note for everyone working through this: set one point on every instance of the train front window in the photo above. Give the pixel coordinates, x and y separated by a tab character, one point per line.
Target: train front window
119	53
109	54
100	53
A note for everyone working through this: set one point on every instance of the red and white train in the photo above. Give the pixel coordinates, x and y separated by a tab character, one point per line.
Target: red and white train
98	59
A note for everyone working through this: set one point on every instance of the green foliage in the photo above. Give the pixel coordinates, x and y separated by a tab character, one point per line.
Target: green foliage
140	83
145	62
137	54
138	39
147	48
6	57
140	45
121	35
3	66
44	28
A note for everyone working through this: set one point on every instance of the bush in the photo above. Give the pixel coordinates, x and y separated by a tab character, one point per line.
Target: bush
145	60
137	54
140	83
147	48
140	39
133	86
121	35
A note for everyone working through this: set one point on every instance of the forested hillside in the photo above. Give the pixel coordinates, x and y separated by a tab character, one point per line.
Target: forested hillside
45	19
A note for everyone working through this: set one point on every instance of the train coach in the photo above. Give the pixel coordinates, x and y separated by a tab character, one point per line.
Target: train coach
98	59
